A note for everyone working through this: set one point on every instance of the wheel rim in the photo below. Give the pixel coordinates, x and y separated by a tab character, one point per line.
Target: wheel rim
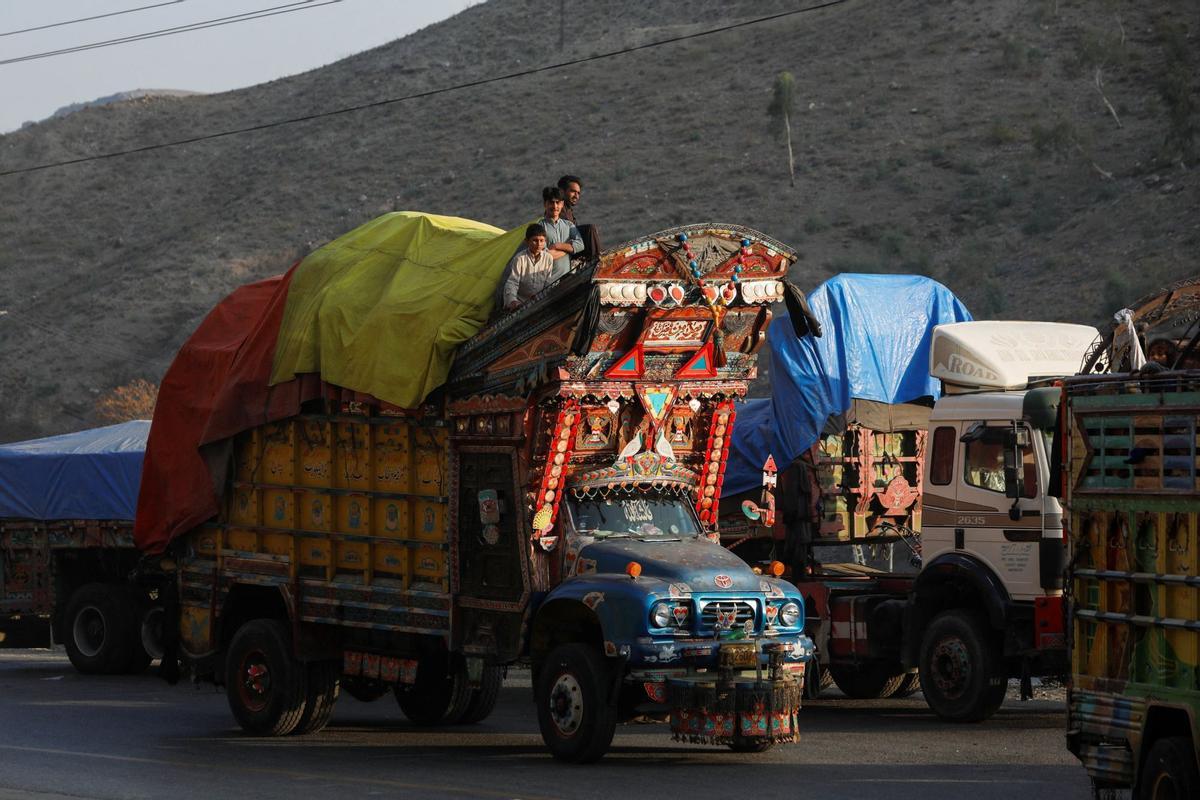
254	681
88	631
566	705
951	667
1164	788
152	632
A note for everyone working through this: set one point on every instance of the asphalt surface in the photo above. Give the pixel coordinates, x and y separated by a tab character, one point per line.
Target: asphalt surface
67	735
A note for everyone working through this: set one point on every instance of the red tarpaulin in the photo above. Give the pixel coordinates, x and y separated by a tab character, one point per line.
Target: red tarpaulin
216	387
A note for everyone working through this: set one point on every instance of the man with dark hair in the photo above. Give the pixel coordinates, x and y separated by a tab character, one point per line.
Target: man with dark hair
571	188
562	238
530	270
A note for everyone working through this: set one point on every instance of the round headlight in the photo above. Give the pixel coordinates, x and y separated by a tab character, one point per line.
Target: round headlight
660	615
789	613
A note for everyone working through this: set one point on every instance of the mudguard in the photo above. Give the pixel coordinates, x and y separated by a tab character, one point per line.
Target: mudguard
970	573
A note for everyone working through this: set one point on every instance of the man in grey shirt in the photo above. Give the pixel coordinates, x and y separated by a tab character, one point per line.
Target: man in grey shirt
531	270
562	238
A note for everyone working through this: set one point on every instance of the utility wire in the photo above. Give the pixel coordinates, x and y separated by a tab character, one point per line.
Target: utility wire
428	93
88	19
301	5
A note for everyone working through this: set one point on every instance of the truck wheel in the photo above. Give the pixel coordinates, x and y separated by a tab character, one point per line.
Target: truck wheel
265	686
437	697
146	620
364	691
99	629
1169	772
909	686
815	677
958	668
575	712
323	685
483	700
865	681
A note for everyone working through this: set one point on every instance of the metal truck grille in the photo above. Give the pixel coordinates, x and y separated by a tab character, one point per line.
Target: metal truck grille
726	614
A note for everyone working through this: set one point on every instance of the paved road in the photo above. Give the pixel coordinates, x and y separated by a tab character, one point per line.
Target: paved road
63	734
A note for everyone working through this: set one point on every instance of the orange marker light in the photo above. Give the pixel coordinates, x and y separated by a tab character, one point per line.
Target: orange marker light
633	569
777	568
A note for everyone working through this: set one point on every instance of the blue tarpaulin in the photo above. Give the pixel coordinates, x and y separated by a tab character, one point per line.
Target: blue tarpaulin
877	332
91	474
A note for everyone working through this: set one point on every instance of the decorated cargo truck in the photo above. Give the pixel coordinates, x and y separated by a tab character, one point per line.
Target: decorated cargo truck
974	597
427	495
66	546
1130	436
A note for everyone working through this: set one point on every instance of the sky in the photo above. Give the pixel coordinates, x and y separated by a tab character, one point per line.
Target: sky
214	60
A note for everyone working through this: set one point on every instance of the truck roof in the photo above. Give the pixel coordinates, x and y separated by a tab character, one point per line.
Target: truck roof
1006	355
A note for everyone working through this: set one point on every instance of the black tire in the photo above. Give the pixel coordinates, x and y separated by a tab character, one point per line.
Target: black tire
483	700
147	634
99	629
438	696
324	681
959	671
364	691
750	746
815	678
865	681
575	711
265	686
909	686
1169	771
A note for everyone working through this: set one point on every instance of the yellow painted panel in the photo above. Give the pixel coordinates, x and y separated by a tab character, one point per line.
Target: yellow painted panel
316	511
429	564
244	507
193	629
314	552
430	521
352	465
206	541
278	459
391	560
354	514
277	544
390	518
352	555
315	452
279	511
241	539
246	455
430	463
391	453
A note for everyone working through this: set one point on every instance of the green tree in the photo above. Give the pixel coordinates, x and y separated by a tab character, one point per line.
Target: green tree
782	106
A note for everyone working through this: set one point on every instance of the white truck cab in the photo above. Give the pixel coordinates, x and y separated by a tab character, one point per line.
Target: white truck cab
987	603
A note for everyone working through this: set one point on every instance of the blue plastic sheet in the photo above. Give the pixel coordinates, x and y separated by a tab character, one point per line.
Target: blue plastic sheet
877	332
91	474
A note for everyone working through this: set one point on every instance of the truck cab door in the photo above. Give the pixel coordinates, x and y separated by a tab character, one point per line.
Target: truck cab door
1001	528
939	495
491	588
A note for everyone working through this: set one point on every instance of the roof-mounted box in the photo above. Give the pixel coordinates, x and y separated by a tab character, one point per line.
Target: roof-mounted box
998	356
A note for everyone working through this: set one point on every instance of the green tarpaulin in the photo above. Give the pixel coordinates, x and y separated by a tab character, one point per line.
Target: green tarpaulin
382	309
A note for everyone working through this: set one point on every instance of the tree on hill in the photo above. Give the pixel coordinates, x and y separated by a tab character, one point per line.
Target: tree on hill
134	400
781	108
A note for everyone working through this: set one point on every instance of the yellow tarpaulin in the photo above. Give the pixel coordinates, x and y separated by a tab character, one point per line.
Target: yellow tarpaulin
382	309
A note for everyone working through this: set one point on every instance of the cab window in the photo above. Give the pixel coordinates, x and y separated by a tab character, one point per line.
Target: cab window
941	465
983	463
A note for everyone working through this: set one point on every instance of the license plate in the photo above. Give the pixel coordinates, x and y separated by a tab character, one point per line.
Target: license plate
739	655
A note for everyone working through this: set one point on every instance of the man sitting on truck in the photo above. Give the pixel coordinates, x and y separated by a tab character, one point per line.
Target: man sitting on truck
532	269
562	238
572	188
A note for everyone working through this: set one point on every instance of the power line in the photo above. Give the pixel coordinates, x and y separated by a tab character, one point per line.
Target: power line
300	5
418	95
89	19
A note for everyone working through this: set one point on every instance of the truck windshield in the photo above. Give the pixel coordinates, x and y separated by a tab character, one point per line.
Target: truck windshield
645	518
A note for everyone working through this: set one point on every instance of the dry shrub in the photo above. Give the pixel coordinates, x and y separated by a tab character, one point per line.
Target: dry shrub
134	400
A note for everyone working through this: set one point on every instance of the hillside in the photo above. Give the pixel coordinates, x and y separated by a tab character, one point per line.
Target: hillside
966	140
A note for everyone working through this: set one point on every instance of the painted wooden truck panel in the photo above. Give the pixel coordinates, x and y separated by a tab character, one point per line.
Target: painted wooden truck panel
1133	486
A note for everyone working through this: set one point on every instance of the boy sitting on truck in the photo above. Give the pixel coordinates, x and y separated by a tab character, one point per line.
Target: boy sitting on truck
532	269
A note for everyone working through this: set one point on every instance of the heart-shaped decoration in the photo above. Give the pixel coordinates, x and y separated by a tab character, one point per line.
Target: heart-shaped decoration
694	405
729	292
676	292
613	407
680	613
710	293
657	295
